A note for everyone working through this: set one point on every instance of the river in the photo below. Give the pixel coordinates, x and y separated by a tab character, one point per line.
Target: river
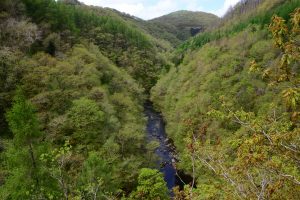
165	151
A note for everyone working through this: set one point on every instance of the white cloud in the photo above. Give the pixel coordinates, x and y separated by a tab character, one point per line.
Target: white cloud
162	7
193	5
227	4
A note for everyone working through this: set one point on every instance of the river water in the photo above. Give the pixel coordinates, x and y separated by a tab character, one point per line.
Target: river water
165	151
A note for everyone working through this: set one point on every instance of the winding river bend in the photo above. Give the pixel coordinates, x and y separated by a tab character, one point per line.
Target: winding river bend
165	151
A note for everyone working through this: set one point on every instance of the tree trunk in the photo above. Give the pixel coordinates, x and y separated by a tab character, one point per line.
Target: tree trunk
33	161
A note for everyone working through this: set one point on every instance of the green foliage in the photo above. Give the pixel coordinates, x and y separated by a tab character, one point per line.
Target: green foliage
173	29
85	118
22	164
83	82
55	167
180	24
127	46
80	96
97	178
236	124
86	99
261	19
151	185
10	73
18	181
83	71
22	120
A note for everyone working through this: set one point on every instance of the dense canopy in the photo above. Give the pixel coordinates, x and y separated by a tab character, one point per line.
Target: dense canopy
75	81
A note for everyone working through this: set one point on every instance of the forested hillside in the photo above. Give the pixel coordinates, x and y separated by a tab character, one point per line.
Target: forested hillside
73	83
176	27
76	82
232	105
184	24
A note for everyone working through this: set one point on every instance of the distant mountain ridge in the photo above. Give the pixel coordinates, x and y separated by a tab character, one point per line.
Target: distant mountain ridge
175	27
186	23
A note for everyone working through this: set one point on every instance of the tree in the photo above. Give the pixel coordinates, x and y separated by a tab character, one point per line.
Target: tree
56	166
151	186
10	75
24	124
86	119
18	34
97	179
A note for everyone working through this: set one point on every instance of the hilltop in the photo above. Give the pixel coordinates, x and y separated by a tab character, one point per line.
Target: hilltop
185	24
175	27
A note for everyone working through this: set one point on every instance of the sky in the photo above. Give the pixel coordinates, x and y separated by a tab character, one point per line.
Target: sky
149	9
